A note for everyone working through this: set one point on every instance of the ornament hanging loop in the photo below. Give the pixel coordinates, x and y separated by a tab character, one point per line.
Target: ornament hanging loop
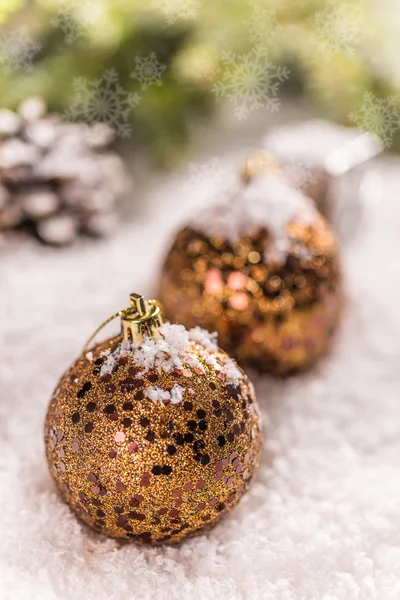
142	317
259	163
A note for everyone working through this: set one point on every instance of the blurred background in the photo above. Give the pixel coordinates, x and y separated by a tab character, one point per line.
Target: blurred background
119	119
176	84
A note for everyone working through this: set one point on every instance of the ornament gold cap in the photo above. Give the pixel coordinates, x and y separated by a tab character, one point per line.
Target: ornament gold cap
142	317
259	163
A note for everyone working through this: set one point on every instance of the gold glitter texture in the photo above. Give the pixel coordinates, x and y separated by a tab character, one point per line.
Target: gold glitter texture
151	471
276	316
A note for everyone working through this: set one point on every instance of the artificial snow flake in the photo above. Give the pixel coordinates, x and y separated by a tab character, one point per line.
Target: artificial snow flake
156	394
231	370
250	81
103	100
173	348
67	21
380	116
205	338
199	171
176	393
212	171
338	27
175	10
213	177
148	70
17	50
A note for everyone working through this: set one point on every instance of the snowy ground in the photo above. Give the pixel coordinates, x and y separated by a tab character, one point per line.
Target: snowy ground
321	521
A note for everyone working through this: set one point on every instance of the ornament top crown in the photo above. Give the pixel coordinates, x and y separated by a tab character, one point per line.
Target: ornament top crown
260	162
142	317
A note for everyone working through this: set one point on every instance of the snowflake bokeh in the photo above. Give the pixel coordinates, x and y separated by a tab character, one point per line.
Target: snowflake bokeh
17	50
148	70
379	116
67	21
338	27
213	177
261	25
250	81
178	10
212	169
103	100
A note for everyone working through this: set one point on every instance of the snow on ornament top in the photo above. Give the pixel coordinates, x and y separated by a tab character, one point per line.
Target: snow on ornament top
266	202
172	348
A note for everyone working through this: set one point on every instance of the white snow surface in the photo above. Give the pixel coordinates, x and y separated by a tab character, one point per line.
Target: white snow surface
322	518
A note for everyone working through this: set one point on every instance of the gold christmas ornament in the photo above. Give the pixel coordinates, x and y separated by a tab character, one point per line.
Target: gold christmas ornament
153	435
261	269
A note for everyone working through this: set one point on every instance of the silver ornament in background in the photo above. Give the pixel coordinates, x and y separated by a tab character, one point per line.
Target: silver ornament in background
328	162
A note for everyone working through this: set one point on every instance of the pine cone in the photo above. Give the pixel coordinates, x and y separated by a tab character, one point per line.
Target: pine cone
56	179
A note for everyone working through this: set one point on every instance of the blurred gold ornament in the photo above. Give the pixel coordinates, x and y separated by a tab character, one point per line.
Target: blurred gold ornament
153	435
261	269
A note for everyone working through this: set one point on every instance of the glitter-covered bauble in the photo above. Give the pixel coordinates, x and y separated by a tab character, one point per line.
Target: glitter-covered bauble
261	269
153	435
